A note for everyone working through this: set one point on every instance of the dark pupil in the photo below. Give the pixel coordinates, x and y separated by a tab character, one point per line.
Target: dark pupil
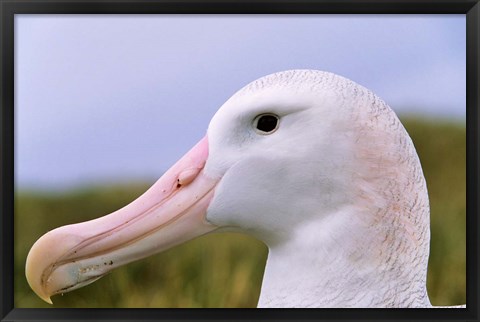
267	123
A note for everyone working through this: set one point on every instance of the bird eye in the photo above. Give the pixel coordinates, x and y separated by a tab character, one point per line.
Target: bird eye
266	123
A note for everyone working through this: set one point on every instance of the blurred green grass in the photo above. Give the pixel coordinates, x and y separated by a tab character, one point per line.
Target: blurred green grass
226	270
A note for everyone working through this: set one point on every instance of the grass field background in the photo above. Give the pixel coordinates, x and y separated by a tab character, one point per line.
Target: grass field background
225	270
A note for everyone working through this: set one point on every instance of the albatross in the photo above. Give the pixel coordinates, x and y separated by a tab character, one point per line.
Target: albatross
314	165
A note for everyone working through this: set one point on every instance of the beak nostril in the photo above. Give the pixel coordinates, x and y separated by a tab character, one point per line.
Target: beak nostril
187	176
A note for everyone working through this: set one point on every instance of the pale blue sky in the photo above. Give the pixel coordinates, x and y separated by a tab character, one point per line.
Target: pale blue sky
104	98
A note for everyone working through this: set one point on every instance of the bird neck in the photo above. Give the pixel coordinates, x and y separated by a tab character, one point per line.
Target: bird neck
340	261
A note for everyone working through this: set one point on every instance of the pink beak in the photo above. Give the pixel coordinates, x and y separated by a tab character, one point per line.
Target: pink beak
171	212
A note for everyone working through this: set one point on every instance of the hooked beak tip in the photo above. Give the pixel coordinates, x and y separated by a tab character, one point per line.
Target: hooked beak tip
47	299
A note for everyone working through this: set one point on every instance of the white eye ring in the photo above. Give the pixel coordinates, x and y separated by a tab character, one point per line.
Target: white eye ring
266	123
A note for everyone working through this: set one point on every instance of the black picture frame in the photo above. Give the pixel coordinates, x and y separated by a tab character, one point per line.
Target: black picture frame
8	9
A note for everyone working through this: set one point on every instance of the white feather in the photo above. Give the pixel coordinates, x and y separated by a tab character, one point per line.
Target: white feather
337	192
